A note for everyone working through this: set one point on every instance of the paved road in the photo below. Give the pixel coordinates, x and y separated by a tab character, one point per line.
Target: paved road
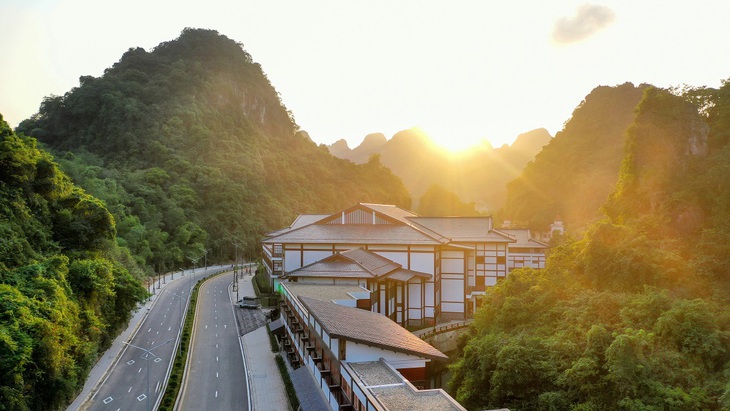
137	379
216	377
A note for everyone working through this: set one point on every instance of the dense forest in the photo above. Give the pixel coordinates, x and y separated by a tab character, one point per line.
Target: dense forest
574	174
171	154
66	287
191	150
633	315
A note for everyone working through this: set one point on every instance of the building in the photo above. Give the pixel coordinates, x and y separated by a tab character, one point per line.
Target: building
526	251
360	360
420	270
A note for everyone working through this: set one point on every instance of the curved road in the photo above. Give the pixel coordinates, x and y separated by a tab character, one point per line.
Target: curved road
215	378
136	380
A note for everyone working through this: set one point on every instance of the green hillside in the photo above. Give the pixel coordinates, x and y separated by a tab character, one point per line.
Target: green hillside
191	149
574	174
66	288
634	315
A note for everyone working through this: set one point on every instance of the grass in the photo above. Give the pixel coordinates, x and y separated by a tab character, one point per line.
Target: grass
290	392
178	367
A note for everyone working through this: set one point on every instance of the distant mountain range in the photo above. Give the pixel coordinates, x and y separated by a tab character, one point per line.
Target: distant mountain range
478	175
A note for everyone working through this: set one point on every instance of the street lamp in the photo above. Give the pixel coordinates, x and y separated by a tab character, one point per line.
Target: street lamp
180	299
146	356
195	261
206	258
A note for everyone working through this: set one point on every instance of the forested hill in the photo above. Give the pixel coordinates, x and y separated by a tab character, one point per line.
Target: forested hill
574	174
633	316
66	288
191	149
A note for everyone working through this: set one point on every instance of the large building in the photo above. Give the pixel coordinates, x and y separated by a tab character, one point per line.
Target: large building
358	360
419	270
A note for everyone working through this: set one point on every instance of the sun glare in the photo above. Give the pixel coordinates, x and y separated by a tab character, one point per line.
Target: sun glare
457	144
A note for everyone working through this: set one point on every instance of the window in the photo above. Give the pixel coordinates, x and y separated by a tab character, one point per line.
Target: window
277	250
501	259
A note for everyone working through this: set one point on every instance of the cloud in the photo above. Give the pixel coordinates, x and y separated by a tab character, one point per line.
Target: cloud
589	18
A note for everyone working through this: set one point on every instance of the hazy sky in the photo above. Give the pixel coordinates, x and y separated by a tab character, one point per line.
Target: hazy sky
461	70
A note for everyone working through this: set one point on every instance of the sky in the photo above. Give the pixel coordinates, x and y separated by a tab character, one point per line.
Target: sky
463	71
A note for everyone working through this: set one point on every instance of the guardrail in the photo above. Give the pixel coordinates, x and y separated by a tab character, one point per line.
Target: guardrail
444	328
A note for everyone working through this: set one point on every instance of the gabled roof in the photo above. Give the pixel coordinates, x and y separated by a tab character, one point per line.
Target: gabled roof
328	292
372	262
462	229
333	266
405	275
523	239
369	328
367	223
356	263
391	211
301	221
354	234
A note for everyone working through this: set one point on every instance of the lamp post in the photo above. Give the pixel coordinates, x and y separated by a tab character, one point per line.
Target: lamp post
146	356
195	261
206	258
180	299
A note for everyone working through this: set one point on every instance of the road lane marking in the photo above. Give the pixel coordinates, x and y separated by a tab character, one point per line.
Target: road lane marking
130	389
130	362
216	359
169	328
216	394
141	397
157	387
149	329
140	370
216	374
107	400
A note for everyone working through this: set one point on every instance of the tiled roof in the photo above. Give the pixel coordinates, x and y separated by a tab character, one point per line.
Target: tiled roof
390	210
394	393
356	263
368	328
334	266
462	229
372	262
405	275
301	221
324	292
523	238
308	390
354	234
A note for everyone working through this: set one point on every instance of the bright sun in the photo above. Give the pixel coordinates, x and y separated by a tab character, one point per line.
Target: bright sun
456	144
